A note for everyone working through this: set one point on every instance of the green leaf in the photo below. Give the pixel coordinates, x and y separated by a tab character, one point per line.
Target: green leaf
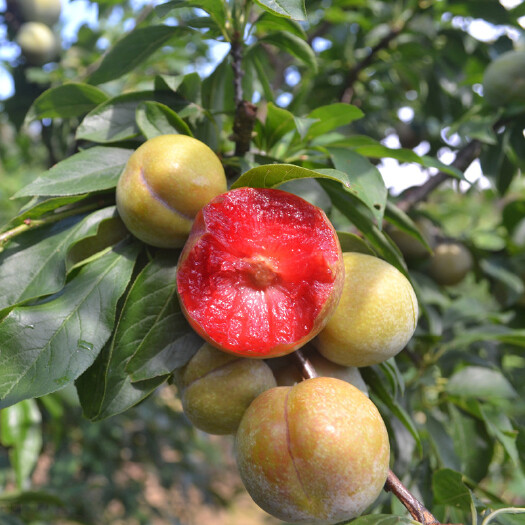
332	117
215	8
486	333
94	169
497	424
360	216
288	8
65	101
129	52
115	119
273	175
20	431
366	181
39	206
473	446
293	45
278	123
269	22
151	339
48	345
449	489
350	242
404	223
33	264
156	119
376	383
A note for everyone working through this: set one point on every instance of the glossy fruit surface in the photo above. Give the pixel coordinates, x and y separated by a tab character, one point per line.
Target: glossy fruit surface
217	388
37	42
504	79
316	453
450	263
44	11
376	316
166	181
261	272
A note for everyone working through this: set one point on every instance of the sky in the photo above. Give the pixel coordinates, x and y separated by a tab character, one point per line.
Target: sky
397	177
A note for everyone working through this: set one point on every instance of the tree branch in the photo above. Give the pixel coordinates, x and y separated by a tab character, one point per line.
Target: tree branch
245	112
416	509
463	160
413	505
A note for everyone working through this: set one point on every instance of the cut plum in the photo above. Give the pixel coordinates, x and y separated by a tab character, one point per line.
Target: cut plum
261	272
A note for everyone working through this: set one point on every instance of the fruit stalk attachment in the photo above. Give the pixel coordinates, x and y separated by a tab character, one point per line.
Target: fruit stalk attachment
393	484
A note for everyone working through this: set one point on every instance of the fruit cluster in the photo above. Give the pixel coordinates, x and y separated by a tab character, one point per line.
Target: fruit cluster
35	36
260	275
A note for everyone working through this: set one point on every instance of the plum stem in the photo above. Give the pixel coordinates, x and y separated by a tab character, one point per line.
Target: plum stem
417	510
393	484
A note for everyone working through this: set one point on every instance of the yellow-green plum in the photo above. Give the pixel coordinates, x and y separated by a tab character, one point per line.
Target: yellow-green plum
450	263
376	315
504	79
37	42
216	388
288	373
44	11
317	452
165	183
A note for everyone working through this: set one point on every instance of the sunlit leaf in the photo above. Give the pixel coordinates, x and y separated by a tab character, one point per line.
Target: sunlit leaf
156	119
93	169
67	100
130	51
289	8
46	346
152	338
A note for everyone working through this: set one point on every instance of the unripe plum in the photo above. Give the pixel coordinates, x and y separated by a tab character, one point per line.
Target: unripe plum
37	42
316	453
44	11
450	263
166	181
376	316
216	388
504	79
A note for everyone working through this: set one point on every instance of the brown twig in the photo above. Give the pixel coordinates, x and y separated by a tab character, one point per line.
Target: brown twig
245	112
416	509
463	160
414	506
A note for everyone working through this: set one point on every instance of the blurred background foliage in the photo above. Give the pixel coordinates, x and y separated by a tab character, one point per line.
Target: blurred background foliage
454	399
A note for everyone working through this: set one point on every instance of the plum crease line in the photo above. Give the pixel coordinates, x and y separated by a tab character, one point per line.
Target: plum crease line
160	199
289	445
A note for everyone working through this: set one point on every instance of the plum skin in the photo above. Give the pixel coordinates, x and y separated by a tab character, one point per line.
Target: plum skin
450	263
216	388
376	316
166	181
37	42
315	453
